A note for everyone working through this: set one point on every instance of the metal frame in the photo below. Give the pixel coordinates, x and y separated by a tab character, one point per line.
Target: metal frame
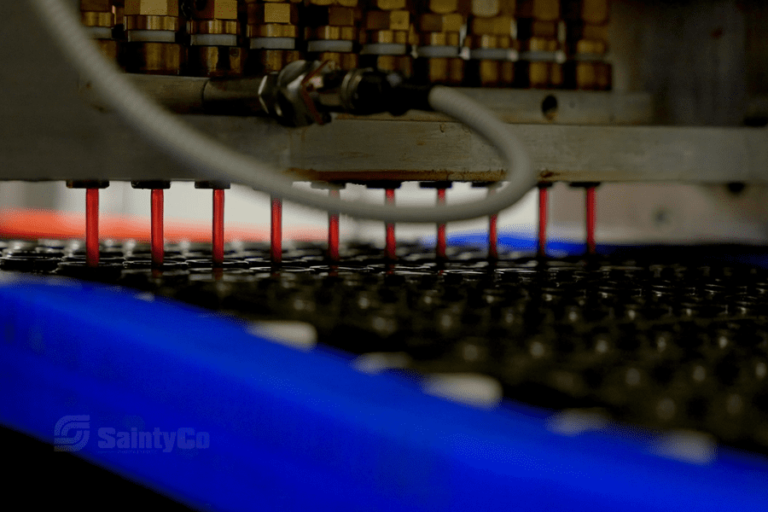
51	132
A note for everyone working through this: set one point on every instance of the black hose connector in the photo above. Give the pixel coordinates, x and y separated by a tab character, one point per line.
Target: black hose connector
375	92
306	92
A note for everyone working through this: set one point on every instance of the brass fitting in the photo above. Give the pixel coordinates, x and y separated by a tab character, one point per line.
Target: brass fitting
216	17
490	40
587	45
402	64
273	34
539	61
387	36
543	74
154	23
387	5
540	44
214	30
216	10
272	13
542	10
332	31
118	31
439	26
528	28
588	75
152	8
388	20
96	5
154	58
442	6
217	61
99	19
431	22
97	13
592	12
152	28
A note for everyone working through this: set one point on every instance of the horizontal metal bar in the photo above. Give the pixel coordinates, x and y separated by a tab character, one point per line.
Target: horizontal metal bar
189	95
560	153
552	107
374	149
194	95
182	95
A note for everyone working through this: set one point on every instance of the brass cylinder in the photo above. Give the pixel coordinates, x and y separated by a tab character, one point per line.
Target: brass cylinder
216	61
586	45
539	65
109	48
99	18
538	74
387	35
439	26
490	40
154	58
269	61
272	35
345	60
152	28
214	31
331	31
402	64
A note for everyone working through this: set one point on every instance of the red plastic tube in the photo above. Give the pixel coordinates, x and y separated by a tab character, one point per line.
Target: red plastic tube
543	193
391	243
158	241
277	231
333	230
92	227
591	248
218	227
441	241
493	233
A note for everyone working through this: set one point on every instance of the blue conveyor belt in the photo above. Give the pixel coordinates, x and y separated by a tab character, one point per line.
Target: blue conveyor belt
269	427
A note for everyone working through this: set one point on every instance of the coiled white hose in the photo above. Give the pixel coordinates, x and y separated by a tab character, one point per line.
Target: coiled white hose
213	160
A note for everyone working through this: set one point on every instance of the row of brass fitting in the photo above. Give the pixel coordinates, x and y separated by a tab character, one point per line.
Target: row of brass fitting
539	45
388	34
438	35
510	43
99	19
272	34
586	44
491	39
156	37
332	31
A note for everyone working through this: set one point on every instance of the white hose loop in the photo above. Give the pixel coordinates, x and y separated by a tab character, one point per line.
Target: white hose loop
213	160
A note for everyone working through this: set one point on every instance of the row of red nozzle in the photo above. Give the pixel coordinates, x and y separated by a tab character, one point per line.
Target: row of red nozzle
157	203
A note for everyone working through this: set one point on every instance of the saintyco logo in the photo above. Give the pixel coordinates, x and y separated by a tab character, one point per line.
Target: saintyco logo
183	438
73	432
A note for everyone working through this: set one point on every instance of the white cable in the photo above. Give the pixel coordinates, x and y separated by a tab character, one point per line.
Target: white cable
213	160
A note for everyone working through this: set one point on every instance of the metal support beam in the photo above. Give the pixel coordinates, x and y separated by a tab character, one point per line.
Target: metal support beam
375	149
